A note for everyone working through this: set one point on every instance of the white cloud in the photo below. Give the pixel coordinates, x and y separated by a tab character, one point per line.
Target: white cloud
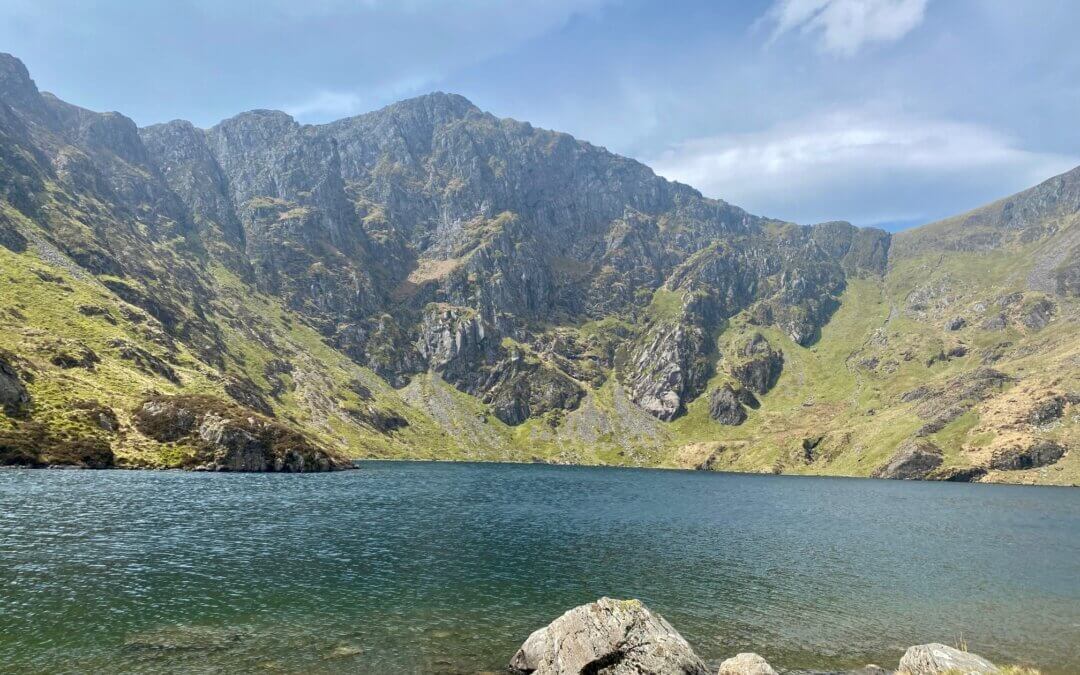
326	104
329	105
864	166
846	25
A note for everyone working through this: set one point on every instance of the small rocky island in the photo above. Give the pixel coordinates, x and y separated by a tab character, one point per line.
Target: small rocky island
622	637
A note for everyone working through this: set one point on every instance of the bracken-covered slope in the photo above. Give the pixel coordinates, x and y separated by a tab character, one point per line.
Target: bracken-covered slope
429	280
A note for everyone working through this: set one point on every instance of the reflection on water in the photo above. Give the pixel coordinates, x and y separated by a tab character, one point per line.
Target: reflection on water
421	567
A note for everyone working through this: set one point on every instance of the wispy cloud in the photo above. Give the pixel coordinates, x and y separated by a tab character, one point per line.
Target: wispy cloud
324	104
844	26
865	166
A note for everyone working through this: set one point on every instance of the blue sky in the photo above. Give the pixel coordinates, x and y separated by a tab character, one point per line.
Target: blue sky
890	112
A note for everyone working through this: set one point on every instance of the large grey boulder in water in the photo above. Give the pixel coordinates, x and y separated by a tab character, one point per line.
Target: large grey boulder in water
934	658
747	663
613	637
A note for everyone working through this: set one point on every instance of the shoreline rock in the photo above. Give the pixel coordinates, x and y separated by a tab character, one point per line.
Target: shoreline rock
913	460
935	658
227	437
622	637
613	637
747	663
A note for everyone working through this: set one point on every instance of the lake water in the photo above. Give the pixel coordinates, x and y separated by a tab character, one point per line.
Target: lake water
447	568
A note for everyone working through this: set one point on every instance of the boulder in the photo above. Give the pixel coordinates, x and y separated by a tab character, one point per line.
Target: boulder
747	663
725	406
1037	313
1047	410
1017	457
913	460
77	356
614	637
934	658
761	366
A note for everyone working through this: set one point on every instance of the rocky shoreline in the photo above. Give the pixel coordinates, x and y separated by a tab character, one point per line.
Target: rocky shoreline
203	432
622	637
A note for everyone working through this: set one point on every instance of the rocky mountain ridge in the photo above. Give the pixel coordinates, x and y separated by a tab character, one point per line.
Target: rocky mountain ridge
475	286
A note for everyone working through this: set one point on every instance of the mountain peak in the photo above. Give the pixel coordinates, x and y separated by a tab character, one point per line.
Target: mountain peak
16	87
429	110
440	100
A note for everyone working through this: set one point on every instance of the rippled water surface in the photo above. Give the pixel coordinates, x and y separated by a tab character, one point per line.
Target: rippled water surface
422	567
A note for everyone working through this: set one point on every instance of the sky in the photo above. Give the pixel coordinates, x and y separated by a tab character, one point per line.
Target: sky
881	112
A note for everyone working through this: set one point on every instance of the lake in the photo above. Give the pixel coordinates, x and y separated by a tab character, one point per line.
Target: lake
446	568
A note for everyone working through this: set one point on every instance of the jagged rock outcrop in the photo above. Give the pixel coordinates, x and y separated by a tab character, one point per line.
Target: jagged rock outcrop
726	406
955	323
302	233
230	438
145	361
517	388
454	341
468	352
1027	454
758	366
913	460
615	637
13	395
669	366
936	659
746	663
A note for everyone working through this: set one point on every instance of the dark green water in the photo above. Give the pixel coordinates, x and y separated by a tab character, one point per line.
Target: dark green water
425	567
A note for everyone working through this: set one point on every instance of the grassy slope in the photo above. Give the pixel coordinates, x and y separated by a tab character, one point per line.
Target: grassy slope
40	318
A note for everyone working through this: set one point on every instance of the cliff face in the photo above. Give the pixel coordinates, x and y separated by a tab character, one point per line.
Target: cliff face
551	283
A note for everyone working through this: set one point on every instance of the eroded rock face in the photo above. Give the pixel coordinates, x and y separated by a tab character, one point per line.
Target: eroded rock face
669	366
614	637
467	351
232	438
454	339
746	663
913	460
934	659
13	395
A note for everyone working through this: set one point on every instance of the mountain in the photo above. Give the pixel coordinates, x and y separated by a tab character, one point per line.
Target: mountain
431	281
